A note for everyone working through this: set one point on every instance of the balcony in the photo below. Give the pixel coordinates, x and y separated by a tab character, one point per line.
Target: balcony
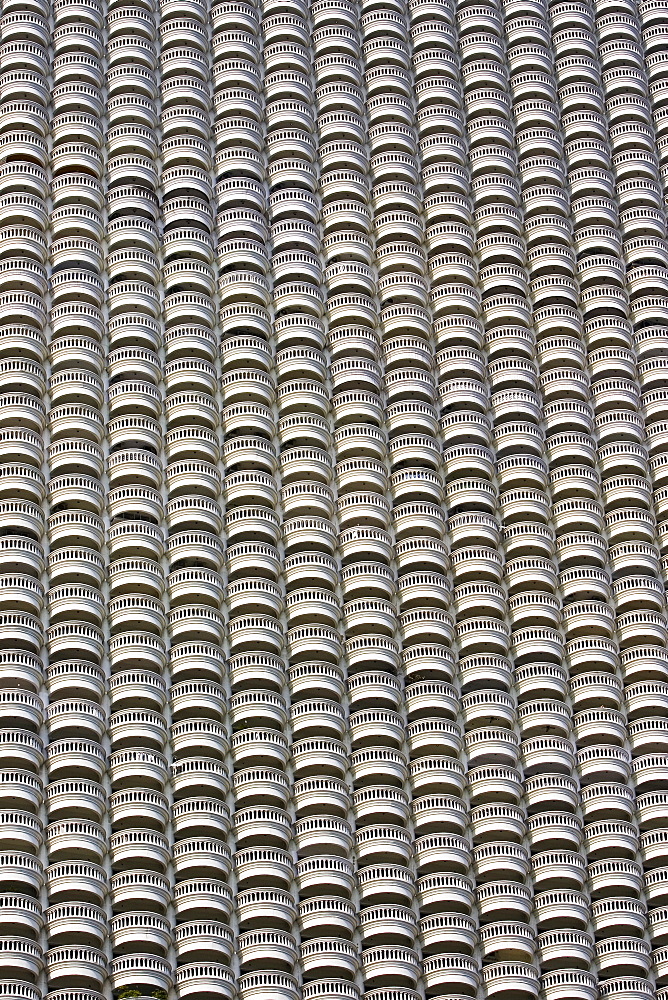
265	985
390	965
202	899
82	880
381	842
204	940
265	907
595	725
575	985
203	817
267	949
634	989
245	669
132	931
138	847
334	956
325	873
614	876
257	704
618	915
148	971
326	914
313	756
323	833
552	790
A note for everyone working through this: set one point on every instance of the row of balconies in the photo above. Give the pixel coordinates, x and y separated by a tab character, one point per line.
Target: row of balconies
597	762
616	488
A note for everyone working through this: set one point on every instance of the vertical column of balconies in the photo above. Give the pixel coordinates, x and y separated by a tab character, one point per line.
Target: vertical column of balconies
638	587
367	617
76	799
24	98
573	540
633	76
650	334
266	944
264	870
653	14
636	146
202	896
651	338
264	904
138	766
513	555
370	725
618	922
442	855
404	539
589	619
486	873
300	197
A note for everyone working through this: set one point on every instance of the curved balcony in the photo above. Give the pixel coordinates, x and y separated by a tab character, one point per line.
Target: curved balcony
381	842
265	907
323	833
386	883
267	949
205	940
260	784
266	706
618	915
557	829
133	930
494	782
139	804
202	899
613	875
380	802
572	983
75	965
272	985
329	955
20	913
645	735
316	755
558	869
21	707
429	736
20	830
133	847
306	677
636	989
553	789
513	978
69	757
390	965
326	913
68	878
247	669
561	908
147	971
325	873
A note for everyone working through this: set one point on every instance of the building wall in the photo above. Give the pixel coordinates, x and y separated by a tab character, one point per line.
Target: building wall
333	499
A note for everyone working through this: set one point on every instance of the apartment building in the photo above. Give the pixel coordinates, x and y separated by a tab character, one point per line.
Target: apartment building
333	499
